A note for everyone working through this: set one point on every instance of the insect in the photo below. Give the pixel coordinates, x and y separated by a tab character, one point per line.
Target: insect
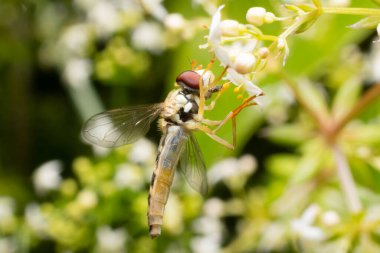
180	114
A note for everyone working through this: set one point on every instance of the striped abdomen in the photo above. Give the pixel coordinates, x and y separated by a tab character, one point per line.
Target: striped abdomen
171	146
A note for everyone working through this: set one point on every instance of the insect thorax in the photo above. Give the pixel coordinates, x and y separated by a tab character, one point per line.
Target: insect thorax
180	106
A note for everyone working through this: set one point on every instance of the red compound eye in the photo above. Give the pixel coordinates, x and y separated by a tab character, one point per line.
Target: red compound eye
189	79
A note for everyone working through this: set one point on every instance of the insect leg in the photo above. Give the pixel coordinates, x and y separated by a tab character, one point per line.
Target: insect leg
233	114
202	98
212	135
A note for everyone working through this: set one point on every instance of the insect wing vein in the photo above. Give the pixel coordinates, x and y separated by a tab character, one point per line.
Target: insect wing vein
119	127
193	167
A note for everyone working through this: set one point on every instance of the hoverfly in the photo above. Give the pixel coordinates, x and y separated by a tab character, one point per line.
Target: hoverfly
180	114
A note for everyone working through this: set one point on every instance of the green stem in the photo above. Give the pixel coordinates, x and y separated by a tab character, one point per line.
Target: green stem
352	11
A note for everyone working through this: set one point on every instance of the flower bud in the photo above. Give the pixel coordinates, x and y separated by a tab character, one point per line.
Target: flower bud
256	15
269	18
244	63
378	29
230	27
263	52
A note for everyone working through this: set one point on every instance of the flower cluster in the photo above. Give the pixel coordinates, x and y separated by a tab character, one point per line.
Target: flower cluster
240	47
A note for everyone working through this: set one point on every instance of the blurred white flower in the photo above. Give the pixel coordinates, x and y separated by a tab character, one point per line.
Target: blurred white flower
214	207
7	209
35	219
231	168
374	61
129	176
47	177
175	22
211	240
105	17
8	245
87	199
330	218
142	152
77	71
110	240
303	227
340	3
155	8
273	237
76	38
209	244
207	225
149	36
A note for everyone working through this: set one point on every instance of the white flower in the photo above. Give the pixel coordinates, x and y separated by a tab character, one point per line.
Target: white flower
105	17
35	219
129	176
213	207
256	15
340	3
244	63
7	208
304	228
231	168
209	244
174	22
87	199
155	8
330	218
148	36
215	34
110	240
238	79
142	152
230	28
77	71
47	177
76	39
233	56
8	245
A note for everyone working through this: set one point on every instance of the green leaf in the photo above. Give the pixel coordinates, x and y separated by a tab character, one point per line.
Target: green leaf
366	23
282	165
376	2
288	134
363	134
314	97
309	164
346	97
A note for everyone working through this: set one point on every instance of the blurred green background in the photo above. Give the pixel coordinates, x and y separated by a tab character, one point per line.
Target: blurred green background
63	61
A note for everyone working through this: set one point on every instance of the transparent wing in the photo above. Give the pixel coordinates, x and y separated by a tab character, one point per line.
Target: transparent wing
192	165
119	127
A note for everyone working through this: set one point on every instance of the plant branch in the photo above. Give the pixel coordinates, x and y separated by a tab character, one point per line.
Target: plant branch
346	180
352	11
370	96
315	115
